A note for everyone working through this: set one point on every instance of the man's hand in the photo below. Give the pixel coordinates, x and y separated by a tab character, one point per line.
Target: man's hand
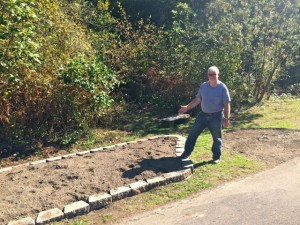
226	123
183	109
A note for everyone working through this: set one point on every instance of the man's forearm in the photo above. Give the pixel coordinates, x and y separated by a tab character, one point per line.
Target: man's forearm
227	110
193	103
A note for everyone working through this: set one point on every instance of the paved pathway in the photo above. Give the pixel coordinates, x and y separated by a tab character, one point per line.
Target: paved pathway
271	197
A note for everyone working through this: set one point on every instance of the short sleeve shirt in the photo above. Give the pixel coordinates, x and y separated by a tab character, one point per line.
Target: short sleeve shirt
213	98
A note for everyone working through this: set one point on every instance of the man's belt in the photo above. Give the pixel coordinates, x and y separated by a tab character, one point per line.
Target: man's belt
211	114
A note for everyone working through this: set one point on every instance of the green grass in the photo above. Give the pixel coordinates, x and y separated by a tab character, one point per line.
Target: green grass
277	113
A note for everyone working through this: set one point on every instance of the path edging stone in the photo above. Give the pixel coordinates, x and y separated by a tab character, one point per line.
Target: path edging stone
99	201
49	216
76	209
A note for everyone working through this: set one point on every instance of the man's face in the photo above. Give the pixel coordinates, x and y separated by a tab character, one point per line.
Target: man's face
213	75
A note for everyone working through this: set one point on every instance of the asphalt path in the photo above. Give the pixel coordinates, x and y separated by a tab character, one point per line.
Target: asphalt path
270	197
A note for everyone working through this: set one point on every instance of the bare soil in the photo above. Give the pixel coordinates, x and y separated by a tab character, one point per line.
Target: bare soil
27	190
272	146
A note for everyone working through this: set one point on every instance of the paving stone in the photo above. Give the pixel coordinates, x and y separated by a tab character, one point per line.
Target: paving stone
139	187
72	155
142	140
157	181
178	153
120	144
165	136
25	221
5	169
175	136
152	138
54	159
99	201
120	193
131	142
179	149
179	146
76	209
173	177
83	153
38	162
20	165
48	216
96	149
110	148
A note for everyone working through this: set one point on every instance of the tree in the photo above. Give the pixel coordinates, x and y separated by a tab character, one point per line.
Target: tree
266	33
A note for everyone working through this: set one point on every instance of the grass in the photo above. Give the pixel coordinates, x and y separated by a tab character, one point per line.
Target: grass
276	113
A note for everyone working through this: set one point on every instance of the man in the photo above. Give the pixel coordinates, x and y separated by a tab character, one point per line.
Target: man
214	98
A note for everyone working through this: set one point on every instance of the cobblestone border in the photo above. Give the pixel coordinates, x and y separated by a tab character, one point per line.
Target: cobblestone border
99	201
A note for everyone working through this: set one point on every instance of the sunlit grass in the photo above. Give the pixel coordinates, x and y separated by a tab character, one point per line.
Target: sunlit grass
276	113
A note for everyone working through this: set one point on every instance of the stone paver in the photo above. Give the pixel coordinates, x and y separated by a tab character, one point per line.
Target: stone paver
99	201
72	155
174	177
48	216
83	153
38	162
109	148
6	169
139	187
25	221
120	193
76	209
157	181
96	150
54	159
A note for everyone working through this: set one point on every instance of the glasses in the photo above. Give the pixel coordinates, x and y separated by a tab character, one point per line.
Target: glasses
212	74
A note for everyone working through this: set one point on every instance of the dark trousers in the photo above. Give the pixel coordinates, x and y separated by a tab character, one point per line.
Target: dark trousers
214	123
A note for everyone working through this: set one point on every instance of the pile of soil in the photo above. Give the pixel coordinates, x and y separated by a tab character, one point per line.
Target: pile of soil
27	190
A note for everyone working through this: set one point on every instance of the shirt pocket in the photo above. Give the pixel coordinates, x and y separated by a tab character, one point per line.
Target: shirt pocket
217	100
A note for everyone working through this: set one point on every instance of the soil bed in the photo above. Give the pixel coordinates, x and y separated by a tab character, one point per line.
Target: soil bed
27	190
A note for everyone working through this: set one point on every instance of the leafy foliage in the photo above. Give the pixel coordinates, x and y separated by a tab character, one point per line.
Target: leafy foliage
70	65
92	77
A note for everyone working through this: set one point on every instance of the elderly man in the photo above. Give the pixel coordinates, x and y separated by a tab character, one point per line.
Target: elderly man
214	98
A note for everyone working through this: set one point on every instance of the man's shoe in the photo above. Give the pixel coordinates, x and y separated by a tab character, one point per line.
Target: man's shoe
216	161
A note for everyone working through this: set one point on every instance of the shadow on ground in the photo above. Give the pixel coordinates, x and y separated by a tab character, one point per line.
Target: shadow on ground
203	163
244	118
162	165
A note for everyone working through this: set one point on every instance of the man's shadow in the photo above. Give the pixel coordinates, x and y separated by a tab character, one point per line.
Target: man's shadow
203	163
161	165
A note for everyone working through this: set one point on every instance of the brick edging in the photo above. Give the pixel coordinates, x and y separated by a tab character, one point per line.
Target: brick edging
101	200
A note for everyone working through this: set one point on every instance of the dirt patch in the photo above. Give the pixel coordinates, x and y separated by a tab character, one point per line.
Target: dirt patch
27	190
273	146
